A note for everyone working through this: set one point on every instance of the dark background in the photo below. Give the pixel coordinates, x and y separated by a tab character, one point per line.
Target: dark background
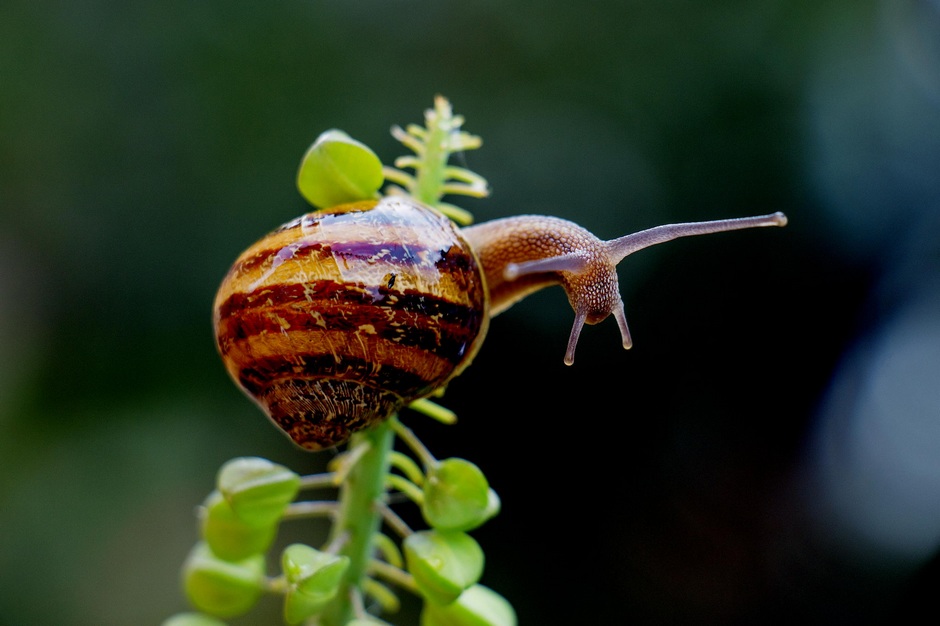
768	452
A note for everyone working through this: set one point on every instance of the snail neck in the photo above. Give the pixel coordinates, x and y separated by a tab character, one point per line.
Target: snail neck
520	255
525	253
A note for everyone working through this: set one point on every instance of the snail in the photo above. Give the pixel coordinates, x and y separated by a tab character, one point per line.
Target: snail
339	318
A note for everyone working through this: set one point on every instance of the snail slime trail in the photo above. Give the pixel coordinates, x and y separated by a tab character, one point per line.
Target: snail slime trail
339	318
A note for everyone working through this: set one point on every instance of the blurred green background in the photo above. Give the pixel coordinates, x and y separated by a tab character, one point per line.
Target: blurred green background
768	452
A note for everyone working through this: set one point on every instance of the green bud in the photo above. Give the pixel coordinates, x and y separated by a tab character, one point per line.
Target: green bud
311	570
313	579
222	588
191	619
257	489
443	563
477	606
365	621
228	535
493	505
338	169
457	496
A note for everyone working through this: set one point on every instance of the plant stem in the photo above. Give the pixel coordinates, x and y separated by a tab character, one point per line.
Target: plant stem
430	177
358	517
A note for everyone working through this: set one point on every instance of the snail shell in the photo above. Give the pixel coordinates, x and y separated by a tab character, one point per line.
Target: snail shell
339	318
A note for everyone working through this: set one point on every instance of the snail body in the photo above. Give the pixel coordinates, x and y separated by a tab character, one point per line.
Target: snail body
339	318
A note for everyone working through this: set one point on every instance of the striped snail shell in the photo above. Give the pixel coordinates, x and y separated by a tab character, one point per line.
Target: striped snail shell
339	318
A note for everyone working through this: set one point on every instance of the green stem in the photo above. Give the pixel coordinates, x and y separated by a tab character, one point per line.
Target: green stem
428	188
411	440
358	517
317	481
411	491
431	175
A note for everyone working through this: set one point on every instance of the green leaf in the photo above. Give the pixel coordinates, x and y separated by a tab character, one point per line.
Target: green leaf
257	489
443	563
311	570
222	588
299	607
192	619
477	606
313	579
457	496
338	169
229	537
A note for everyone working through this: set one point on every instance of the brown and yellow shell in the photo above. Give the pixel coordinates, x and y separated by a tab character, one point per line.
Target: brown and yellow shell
339	318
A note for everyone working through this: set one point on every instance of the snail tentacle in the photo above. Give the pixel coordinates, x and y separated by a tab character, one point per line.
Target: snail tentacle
624	246
621	318
579	318
570	262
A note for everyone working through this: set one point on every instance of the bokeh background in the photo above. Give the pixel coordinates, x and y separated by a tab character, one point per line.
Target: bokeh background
768	452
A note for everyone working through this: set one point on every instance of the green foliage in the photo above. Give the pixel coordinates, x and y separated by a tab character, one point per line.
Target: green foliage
444	563
457	496
257	490
433	177
224	575
229	536
477	606
219	587
338	169
313	578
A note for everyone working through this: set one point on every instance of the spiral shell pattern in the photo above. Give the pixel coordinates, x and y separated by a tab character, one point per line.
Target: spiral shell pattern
338	318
